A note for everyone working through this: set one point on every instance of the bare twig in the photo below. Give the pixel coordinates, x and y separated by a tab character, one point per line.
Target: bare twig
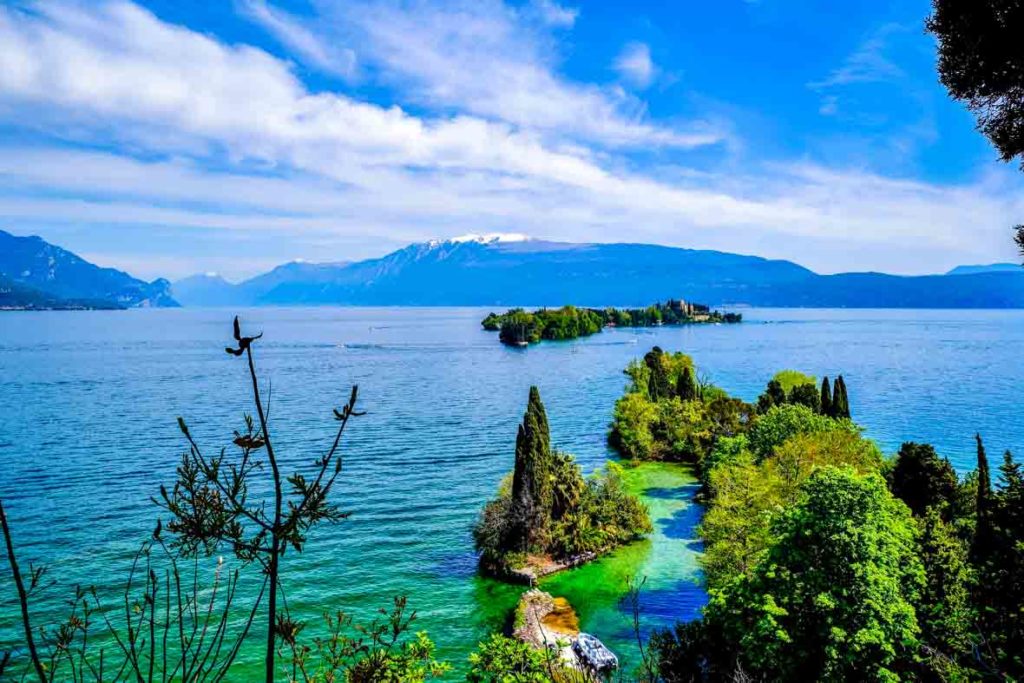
22	598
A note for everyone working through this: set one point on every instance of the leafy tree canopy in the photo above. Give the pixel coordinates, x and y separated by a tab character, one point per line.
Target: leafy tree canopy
833	598
981	63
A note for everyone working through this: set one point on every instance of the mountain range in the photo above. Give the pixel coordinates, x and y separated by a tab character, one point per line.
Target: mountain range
35	274
505	271
492	271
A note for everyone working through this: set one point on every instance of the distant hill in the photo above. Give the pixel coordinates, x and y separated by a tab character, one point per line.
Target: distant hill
16	297
205	290
37	274
490	271
213	290
990	268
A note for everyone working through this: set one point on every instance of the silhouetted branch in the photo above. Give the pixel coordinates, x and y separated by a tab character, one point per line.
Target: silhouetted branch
22	598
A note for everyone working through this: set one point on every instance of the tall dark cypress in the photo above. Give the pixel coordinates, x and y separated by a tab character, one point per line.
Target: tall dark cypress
983	532
826	398
840	400
658	386
531	481
686	387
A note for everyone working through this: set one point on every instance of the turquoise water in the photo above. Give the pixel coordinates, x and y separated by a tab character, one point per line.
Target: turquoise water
89	401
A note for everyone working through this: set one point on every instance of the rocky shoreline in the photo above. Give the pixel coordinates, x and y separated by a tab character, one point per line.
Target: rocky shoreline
549	623
538	567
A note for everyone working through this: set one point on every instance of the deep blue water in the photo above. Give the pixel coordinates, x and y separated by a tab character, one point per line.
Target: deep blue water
89	401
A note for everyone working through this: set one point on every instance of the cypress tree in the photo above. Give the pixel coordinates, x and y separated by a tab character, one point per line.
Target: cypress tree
840	400
686	387
531	481
658	386
983	532
826	398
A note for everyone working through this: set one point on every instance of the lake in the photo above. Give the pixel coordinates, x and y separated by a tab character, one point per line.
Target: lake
90	400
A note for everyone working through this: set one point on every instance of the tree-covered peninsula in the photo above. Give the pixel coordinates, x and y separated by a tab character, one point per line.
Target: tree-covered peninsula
547	515
518	327
823	559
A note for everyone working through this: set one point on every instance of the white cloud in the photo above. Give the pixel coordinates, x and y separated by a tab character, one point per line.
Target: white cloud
554	14
122	64
294	35
869	63
326	168
635	66
485	58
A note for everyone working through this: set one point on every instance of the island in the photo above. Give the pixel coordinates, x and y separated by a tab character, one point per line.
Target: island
518	327
547	516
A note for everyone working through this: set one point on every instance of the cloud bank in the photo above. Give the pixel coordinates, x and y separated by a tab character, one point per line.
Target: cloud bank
131	121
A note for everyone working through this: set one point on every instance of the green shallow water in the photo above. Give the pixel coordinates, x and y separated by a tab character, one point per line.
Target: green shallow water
666	561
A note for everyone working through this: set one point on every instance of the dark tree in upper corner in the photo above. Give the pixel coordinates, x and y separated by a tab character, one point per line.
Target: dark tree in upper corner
981	63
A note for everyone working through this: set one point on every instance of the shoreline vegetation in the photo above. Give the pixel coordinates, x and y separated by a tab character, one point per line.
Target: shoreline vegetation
824	559
517	327
547	516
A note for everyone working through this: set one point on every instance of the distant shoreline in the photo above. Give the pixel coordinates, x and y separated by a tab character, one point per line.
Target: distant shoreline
232	308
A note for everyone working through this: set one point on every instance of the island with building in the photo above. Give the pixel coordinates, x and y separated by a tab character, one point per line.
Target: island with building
519	327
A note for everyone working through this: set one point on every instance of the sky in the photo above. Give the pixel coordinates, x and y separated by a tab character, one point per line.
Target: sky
173	137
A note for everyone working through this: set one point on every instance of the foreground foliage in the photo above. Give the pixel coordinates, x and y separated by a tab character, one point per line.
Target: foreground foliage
501	659
176	620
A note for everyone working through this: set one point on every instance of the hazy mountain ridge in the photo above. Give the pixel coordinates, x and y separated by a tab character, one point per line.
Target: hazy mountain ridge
42	275
489	271
987	268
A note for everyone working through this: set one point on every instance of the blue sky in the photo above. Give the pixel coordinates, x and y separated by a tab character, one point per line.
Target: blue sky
178	136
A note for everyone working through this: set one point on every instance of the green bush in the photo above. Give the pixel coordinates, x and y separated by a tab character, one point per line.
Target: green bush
632	423
506	660
664	415
782	422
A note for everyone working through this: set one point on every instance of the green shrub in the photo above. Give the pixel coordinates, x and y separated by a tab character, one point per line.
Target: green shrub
632	423
506	660
782	422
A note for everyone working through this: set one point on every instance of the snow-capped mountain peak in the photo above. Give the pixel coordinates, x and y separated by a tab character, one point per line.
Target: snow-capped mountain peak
488	238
